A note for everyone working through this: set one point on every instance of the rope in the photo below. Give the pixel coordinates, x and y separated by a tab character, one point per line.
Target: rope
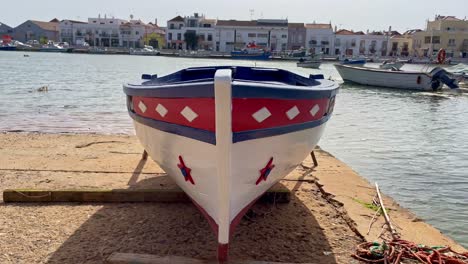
394	251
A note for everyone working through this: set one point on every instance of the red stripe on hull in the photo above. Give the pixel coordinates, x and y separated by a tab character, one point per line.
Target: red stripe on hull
201	111
300	112
204	109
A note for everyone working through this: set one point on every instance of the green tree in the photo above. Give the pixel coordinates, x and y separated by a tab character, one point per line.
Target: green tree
43	40
191	39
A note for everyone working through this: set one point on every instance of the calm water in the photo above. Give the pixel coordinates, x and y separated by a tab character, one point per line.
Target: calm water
414	144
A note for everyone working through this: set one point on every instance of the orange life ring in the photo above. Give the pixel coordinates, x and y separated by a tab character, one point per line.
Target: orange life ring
441	55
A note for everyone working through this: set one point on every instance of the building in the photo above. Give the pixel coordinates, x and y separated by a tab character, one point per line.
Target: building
401	45
74	32
444	32
350	43
296	36
5	29
320	38
190	32
346	42
270	34
111	32
37	30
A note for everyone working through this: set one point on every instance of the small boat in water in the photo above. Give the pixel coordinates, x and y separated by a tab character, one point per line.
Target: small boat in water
145	51
53	47
251	52
313	64
227	134
415	80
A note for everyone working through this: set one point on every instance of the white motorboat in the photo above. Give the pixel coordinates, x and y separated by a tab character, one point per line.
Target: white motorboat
314	64
416	80
146	51
227	134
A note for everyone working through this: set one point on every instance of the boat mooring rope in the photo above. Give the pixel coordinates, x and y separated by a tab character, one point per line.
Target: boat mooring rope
394	251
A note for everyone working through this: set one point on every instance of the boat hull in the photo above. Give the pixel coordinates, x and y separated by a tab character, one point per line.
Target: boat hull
226	142
387	78
312	65
251	56
9	48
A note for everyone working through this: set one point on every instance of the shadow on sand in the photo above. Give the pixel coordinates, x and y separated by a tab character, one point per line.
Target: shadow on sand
269	232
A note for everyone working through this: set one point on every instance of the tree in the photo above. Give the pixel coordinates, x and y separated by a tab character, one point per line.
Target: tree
191	39
43	40
155	40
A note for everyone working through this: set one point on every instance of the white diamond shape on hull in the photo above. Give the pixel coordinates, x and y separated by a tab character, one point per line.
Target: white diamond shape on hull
161	110
314	110
261	114
292	113
142	107
189	114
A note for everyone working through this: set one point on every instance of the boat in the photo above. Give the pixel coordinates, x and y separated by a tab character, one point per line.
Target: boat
7	46
314	64
388	65
146	51
295	55
53	47
251	52
354	62
7	43
226	134
414	80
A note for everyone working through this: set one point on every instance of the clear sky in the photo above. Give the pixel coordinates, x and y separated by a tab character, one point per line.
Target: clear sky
350	14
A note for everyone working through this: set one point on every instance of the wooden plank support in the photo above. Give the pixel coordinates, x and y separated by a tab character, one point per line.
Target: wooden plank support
277	194
131	258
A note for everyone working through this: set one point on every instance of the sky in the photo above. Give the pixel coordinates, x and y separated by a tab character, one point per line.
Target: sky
349	14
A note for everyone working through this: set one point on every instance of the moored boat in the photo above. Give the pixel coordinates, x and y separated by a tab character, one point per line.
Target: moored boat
227	134
53	47
313	64
251	52
415	80
145	51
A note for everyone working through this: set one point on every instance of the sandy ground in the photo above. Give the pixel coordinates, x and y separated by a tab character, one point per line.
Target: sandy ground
313	227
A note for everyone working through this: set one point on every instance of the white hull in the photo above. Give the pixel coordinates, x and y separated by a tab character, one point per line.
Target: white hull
288	150
387	78
309	64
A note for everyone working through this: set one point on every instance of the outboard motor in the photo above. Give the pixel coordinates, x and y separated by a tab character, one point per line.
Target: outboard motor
440	75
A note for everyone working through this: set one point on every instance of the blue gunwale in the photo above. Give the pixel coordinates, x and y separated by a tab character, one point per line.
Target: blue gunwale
210	137
248	82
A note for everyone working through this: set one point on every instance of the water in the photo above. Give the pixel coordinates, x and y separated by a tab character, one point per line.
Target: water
414	144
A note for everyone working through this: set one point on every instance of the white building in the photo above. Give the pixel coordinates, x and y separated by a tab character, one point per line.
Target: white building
107	32
102	32
320	38
349	43
236	34
200	28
